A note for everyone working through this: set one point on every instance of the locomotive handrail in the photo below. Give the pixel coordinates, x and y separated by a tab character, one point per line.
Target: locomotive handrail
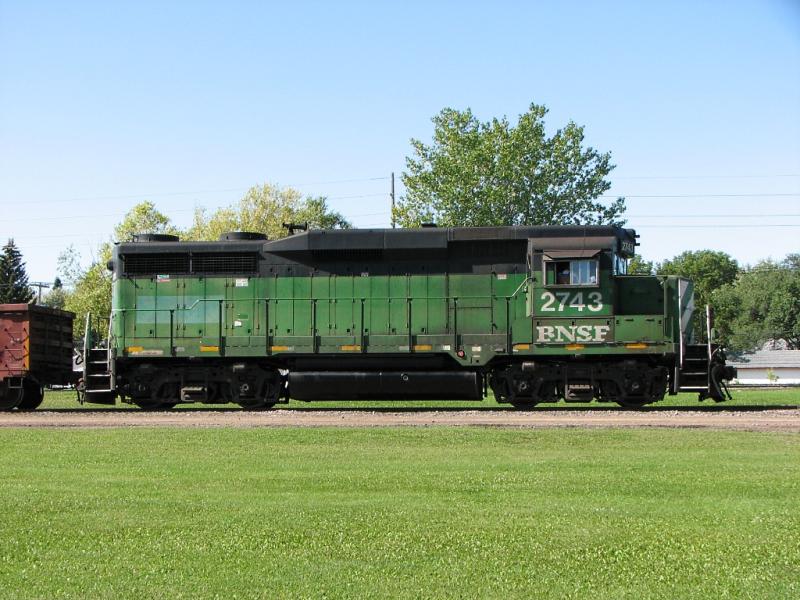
409	300
298	298
315	299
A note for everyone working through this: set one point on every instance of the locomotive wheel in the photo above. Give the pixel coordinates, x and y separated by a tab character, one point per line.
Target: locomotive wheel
632	403
268	395
523	404
150	404
255	403
9	398
32	395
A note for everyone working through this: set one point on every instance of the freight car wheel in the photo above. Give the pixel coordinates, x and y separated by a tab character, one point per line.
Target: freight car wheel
32	395
9	398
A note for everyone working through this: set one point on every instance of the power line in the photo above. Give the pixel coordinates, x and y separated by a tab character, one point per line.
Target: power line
691	216
358	196
706	176
795	195
386	212
170	211
719	226
93	216
148	195
77	234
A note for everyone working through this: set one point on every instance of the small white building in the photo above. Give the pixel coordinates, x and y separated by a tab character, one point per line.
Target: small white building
767	367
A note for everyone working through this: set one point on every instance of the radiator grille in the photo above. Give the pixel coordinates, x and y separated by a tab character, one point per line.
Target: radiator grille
183	264
156	264
224	263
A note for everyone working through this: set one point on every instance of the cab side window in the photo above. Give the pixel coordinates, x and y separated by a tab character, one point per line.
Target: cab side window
620	266
571	272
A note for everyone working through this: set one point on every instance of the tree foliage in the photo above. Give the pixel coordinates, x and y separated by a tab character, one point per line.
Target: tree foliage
762	304
57	296
264	209
142	218
496	173
709	270
639	266
91	287
14	287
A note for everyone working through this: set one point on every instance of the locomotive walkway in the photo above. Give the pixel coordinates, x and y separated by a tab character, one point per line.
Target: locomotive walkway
741	418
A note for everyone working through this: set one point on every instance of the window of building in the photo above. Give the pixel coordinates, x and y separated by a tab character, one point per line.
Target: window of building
571	272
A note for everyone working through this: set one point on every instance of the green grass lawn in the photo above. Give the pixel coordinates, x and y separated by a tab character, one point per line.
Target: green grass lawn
741	398
441	512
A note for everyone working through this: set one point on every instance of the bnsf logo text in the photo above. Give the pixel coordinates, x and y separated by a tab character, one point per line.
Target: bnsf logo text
572	333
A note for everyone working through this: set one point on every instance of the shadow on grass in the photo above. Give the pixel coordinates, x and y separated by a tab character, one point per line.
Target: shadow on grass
419	409
545	408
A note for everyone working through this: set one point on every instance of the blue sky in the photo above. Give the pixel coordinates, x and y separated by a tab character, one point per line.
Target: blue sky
187	104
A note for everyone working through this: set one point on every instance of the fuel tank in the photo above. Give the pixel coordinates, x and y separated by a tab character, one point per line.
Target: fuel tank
385	385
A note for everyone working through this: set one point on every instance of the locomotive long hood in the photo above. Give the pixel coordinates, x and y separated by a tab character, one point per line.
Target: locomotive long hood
592	237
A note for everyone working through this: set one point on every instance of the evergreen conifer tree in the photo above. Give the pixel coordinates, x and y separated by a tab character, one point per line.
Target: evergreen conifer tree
14	286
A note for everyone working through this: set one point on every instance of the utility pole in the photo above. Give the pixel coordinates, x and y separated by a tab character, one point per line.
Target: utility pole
40	285
392	195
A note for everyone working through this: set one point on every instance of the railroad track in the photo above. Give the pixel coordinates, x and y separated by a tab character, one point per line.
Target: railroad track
751	419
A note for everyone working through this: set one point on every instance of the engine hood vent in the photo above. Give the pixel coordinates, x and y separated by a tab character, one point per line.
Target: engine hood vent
232	236
154	237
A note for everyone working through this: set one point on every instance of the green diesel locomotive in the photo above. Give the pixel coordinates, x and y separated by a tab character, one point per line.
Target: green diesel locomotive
537	314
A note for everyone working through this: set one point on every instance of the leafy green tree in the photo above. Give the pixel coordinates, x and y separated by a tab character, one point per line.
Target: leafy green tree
57	296
639	266
762	304
318	215
91	287
496	173
68	265
264	209
709	270
142	218
14	288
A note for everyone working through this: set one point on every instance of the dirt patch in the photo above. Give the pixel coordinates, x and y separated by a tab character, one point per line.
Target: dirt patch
784	420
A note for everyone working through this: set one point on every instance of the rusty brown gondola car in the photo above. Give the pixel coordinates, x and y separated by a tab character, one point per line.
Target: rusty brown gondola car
35	351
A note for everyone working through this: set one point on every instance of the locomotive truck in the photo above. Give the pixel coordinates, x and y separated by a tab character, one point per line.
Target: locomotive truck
536	314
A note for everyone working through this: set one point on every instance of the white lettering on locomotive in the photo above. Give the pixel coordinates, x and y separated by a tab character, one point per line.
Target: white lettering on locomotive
553	334
561	301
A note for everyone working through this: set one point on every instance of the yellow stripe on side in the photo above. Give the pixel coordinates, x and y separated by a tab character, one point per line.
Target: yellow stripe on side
422	347
574	347
350	348
639	346
209	348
